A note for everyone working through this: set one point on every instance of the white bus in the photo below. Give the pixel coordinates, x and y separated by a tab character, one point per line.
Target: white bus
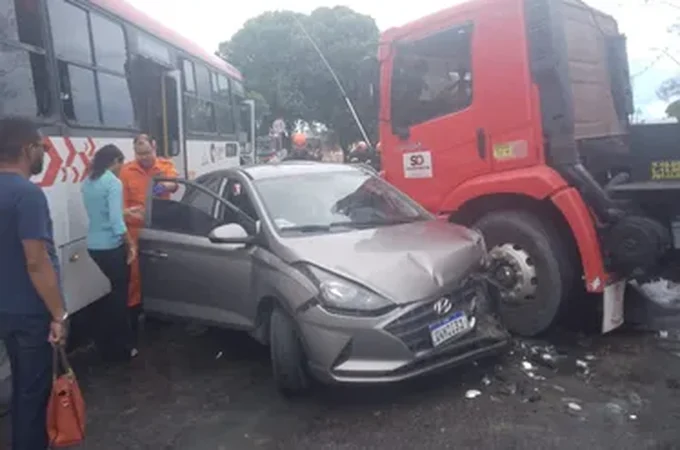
100	71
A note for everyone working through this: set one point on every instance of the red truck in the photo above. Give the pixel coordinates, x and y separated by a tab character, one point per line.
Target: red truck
510	116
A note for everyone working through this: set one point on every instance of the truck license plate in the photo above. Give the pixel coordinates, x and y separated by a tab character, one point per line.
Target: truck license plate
448	328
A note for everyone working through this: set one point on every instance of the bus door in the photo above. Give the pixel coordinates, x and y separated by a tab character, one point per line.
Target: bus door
171	142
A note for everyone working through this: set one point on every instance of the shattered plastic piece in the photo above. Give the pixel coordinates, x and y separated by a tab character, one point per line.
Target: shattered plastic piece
633	417
486	380
581	364
663	334
635	399
472	393
219	355
614	408
574	406
526	365
558	388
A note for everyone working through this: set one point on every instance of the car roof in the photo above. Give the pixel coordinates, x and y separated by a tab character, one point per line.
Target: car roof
293	168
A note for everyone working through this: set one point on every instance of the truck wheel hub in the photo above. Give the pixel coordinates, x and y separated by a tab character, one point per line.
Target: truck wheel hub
513	270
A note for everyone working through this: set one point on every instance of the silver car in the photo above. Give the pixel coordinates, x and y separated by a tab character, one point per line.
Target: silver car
345	278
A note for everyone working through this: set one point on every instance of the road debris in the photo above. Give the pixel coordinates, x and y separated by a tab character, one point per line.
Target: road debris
574	406
472	393
526	365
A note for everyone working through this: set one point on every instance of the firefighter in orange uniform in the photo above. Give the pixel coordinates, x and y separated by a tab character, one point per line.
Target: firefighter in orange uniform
136	176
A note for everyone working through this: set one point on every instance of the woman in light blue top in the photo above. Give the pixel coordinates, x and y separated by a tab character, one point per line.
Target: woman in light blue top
109	246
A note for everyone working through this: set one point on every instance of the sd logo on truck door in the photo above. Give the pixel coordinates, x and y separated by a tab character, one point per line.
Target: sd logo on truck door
418	165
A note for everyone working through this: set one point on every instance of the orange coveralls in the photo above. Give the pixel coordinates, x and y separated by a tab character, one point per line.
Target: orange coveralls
135	181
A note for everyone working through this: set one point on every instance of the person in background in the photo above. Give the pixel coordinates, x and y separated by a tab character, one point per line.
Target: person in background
331	150
32	309
136	176
300	149
111	248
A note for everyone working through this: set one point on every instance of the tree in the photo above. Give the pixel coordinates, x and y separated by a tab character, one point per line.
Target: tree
279	62
673	110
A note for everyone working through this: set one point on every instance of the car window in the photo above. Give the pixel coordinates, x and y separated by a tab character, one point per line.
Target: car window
193	213
319	202
238	195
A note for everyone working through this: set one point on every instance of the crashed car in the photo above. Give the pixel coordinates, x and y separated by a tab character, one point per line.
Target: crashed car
345	278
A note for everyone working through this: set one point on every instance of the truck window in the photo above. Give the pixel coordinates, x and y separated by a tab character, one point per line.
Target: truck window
432	77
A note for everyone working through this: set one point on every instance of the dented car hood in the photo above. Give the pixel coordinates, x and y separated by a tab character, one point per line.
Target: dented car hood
402	262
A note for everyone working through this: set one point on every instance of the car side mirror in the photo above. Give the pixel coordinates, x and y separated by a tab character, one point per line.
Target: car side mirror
231	233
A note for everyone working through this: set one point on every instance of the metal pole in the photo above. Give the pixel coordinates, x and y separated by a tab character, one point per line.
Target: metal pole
337	81
251	106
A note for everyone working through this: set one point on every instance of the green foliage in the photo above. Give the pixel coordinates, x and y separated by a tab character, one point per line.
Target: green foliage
673	110
280	63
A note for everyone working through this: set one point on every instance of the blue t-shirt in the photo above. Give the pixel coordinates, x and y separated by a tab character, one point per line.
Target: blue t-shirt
103	199
24	215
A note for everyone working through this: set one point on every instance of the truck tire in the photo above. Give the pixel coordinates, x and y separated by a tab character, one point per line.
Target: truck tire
287	355
530	260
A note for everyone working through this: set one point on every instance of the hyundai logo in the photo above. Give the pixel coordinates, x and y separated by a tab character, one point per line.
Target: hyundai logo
442	306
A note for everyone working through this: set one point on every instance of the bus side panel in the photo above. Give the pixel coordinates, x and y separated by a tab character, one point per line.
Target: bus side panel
65	168
205	156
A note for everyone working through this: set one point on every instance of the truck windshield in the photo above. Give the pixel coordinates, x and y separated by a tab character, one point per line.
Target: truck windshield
326	202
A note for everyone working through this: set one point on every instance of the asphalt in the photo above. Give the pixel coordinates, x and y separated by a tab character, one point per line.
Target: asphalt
198	389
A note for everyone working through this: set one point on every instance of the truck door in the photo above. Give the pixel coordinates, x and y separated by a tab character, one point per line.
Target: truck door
456	101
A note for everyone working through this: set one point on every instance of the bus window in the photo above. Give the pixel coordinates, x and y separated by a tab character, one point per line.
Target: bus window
200	115
203	88
225	118
116	102
24	80
78	94
189	79
21	22
110	50
70	32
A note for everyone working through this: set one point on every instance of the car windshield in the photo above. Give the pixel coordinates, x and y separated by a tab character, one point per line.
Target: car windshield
335	201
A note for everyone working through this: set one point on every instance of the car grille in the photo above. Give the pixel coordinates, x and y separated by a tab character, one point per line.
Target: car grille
412	328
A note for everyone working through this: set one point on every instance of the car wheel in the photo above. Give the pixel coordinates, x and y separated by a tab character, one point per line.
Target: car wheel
531	270
287	355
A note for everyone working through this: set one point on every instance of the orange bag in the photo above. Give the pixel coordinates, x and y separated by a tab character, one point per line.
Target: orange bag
66	407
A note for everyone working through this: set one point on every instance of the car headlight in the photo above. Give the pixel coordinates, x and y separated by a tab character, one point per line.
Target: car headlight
346	297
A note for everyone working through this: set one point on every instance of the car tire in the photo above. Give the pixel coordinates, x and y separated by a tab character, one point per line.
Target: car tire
287	355
547	258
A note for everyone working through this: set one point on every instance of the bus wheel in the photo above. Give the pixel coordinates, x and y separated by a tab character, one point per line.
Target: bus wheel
530	269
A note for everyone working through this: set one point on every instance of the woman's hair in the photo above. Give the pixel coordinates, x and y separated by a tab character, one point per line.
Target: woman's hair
103	159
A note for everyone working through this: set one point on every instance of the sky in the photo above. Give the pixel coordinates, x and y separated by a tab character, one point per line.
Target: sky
645	23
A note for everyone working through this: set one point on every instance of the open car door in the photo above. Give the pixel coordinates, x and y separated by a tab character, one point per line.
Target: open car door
185	271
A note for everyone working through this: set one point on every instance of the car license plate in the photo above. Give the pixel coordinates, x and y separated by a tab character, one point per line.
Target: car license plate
448	328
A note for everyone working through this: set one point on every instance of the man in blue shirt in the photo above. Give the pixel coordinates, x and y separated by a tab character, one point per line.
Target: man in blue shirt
32	310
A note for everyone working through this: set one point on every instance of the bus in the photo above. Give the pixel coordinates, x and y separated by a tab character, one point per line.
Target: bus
94	72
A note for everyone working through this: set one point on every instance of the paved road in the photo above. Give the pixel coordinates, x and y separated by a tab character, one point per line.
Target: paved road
213	391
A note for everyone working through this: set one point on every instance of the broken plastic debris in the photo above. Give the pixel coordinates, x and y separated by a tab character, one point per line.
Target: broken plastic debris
633	417
219	355
472	393
581	364
486	380
574	406
590	357
526	365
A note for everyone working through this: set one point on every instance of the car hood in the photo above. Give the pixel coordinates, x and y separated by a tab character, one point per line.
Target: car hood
403	262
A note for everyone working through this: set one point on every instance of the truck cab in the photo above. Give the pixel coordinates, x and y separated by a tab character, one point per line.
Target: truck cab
507	115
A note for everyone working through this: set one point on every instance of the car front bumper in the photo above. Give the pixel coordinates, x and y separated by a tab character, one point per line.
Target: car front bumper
397	346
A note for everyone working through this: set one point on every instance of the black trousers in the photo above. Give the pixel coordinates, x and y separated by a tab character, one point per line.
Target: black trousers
30	357
113	334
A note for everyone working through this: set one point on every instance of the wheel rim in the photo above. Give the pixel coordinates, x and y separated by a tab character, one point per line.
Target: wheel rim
514	273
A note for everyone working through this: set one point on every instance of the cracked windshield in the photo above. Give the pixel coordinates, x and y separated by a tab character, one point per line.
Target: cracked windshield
339	224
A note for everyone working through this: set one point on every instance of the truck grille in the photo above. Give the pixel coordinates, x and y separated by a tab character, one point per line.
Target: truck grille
412	328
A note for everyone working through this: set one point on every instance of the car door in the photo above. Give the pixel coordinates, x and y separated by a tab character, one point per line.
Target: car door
184	274
240	262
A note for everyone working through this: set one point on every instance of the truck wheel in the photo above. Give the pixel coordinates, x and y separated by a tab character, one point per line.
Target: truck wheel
530	265
287	355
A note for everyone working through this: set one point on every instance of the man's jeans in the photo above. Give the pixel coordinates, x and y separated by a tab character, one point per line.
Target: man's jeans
30	356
